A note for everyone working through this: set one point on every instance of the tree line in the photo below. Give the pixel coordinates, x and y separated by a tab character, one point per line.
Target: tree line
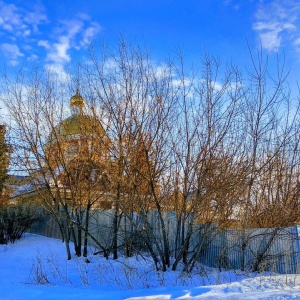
216	144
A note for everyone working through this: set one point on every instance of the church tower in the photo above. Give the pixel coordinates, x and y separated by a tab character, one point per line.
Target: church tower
79	136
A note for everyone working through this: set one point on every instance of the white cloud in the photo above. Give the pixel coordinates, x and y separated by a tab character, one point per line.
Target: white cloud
33	57
44	43
89	33
59	71
36	17
109	65
18	26
235	6
276	22
19	22
23	27
75	33
162	70
58	52
297	42
10	17
12	53
180	82
217	86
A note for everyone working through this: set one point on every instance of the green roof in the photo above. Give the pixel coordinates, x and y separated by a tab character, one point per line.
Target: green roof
78	125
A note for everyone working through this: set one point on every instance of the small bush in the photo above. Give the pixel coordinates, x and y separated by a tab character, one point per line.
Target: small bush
15	220
38	274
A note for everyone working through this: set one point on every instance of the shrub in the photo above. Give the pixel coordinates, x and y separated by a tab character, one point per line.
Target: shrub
15	220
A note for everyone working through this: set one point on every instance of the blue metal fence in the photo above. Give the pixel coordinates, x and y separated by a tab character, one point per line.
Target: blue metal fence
264	249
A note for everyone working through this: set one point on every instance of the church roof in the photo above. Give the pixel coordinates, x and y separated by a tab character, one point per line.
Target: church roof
79	123
77	100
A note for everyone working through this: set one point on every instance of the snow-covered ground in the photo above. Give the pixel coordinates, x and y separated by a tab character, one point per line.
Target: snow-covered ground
36	268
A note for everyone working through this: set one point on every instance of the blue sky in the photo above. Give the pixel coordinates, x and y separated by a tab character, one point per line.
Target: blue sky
55	32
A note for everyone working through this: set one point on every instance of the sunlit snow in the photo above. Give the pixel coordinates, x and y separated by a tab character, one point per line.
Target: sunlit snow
36	268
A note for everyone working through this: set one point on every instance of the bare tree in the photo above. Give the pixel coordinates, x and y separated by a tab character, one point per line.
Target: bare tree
202	150
208	178
61	155
271	151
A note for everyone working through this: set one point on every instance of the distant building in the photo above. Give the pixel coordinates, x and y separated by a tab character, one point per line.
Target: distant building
76	158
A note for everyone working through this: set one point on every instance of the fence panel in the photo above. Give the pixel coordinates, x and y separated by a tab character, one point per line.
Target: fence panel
264	249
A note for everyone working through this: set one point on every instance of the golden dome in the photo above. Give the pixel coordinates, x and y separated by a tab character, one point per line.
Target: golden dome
84	125
77	101
79	124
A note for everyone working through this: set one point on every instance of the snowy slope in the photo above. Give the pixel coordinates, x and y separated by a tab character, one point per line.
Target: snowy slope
36	268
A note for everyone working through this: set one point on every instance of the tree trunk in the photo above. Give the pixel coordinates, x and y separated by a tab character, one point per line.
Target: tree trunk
86	230
115	226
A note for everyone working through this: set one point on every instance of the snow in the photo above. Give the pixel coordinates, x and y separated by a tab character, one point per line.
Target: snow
36	268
